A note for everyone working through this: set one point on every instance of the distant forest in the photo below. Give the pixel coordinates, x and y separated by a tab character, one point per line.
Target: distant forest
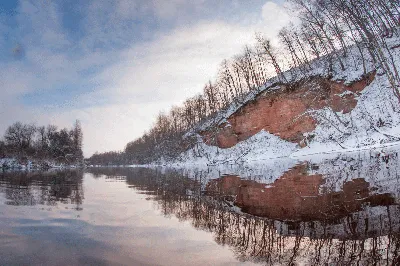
327	30
30	142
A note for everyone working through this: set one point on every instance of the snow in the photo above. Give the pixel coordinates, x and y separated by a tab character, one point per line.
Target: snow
28	165
8	163
261	146
372	124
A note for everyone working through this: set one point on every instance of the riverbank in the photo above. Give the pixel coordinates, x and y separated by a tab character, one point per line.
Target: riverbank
14	164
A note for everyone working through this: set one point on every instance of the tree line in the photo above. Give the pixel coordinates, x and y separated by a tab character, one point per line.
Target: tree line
337	31
28	141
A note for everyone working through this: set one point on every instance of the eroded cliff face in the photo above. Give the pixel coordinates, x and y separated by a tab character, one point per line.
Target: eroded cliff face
285	112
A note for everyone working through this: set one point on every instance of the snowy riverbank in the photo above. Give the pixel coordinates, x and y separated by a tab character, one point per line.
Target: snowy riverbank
28	165
373	123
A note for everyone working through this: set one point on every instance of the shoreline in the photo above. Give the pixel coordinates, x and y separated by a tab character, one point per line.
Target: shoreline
293	156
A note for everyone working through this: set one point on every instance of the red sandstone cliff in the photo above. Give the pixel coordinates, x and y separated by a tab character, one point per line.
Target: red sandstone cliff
286	113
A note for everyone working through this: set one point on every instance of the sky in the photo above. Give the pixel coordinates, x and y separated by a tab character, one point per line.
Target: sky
115	64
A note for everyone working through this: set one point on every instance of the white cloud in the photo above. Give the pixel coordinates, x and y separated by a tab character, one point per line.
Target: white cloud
173	66
172	8
40	24
110	127
274	15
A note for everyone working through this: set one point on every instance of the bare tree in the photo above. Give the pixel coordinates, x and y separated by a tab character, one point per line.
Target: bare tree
20	136
265	44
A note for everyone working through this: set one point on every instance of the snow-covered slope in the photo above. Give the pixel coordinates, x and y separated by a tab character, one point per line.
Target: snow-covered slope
258	147
374	122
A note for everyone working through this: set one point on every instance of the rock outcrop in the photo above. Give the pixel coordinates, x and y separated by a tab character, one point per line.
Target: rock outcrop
286	111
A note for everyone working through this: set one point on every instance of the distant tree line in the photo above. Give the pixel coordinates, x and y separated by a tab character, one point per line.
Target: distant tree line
27	141
109	158
327	30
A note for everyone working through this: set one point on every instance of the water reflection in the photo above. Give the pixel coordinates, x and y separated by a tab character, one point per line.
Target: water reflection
42	188
339	211
297	196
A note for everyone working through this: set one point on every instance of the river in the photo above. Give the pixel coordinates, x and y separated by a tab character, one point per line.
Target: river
334	209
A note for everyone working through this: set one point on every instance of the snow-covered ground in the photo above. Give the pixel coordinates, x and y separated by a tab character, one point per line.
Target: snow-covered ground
259	147
373	123
14	164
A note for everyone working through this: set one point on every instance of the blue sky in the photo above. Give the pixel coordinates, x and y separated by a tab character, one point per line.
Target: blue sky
114	64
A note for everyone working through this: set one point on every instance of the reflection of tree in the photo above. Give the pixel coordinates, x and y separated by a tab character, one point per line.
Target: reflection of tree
369	235
44	188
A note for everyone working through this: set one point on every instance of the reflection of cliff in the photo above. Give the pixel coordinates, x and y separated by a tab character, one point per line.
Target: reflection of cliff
296	196
357	238
44	188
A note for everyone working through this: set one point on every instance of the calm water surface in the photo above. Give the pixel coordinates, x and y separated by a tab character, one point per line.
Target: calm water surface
337	210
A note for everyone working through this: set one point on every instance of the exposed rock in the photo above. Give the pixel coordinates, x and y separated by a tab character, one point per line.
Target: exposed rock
286	113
